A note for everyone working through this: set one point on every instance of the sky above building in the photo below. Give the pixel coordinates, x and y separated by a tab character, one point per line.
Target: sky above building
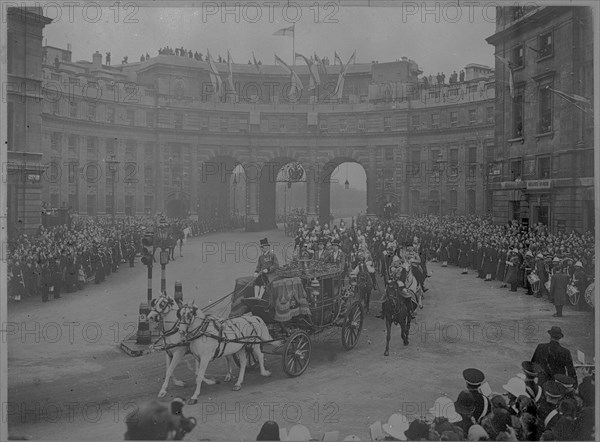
438	36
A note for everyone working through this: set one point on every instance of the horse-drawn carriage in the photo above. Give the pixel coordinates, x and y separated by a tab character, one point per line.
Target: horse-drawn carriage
302	300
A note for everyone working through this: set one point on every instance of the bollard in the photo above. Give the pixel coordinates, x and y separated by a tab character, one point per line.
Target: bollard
143	333
178	292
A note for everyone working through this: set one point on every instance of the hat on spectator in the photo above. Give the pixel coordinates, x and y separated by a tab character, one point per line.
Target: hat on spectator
539	255
578	264
474	377
417	430
444	407
531	369
269	431
516	387
299	433
396	425
553	389
555	332
464	404
565	381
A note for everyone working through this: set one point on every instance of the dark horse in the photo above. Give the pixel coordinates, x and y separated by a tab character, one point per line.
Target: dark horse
396	310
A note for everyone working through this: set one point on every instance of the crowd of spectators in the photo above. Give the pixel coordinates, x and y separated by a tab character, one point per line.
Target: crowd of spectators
66	257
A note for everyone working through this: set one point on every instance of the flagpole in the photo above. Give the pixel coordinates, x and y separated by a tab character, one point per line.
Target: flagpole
294	44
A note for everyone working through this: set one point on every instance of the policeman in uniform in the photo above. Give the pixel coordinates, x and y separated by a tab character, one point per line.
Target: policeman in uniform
531	371
548	407
474	379
267	263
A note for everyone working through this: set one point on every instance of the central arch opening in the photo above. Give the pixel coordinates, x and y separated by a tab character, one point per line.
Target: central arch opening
343	192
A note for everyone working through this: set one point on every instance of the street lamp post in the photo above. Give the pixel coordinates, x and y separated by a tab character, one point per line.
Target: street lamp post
113	164
439	162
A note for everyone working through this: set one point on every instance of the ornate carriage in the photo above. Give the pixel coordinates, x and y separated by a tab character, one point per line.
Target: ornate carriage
302	300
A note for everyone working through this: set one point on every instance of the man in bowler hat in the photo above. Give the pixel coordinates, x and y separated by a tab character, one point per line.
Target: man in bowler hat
553	357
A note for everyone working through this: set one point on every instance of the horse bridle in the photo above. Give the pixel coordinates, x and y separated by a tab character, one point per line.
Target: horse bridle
181	316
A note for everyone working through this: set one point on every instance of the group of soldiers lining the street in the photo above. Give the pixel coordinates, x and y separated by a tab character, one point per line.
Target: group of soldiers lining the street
64	259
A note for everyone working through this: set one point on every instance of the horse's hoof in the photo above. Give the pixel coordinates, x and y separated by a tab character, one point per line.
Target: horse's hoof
421	306
386	353
227	378
162	393
192	401
237	387
266	374
179	383
406	342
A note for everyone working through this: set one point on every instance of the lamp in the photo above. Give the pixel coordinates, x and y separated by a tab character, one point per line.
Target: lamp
347	183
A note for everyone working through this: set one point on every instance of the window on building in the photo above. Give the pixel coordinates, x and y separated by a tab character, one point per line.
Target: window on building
282	124
92	205
435	120
415	202
178	120
149	152
543	164
453	118
516	169
55	142
472	116
387	123
73	147
323	125
204	123
361	125
343	125
471	201
110	147
54	77
472	160
453	157
489	114
72	170
453	199
517	114
545	100
110	114
545	45
129	205
518	56
73	109
56	107
130	117
108	201
150	117
130	150
389	154
73	202
472	89
148	204
91	111
148	175
54	200
415	121
415	162
92	147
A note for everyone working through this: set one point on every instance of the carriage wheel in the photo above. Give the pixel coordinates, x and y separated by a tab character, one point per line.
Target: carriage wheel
589	295
296	354
251	361
574	300
352	326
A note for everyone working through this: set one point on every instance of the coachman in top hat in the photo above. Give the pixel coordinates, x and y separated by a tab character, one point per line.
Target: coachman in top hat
267	263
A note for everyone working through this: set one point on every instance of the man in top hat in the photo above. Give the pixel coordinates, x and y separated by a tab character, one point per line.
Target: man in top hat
554	358
267	263
532	372
548	407
321	253
337	256
558	290
474	379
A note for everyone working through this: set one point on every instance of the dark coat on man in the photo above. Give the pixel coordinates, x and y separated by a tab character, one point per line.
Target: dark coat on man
558	288
554	359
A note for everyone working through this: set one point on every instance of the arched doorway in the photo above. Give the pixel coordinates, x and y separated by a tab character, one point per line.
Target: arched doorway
279	179
343	191
215	189
237	197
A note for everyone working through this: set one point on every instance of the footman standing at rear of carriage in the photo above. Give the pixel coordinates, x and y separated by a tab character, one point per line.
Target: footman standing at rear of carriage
267	263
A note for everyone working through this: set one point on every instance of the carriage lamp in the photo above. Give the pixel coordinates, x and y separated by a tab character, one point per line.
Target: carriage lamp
315	290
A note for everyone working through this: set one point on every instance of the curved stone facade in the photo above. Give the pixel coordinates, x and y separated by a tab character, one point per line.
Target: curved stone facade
174	139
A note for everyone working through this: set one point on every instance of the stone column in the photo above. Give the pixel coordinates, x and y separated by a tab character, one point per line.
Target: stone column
313	181
253	174
371	173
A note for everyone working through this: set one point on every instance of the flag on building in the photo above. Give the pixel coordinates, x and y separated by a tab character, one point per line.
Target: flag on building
339	88
256	63
295	91
215	78
337	59
230	74
315	80
511	84
285	31
578	101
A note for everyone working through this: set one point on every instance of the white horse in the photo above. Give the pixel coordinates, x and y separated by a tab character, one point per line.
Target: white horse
165	307
412	285
214	340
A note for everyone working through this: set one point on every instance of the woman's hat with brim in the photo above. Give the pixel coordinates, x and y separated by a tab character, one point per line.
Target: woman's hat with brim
464	404
444	407
396	425
299	433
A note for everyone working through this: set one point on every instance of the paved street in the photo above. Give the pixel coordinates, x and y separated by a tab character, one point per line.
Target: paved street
69	380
